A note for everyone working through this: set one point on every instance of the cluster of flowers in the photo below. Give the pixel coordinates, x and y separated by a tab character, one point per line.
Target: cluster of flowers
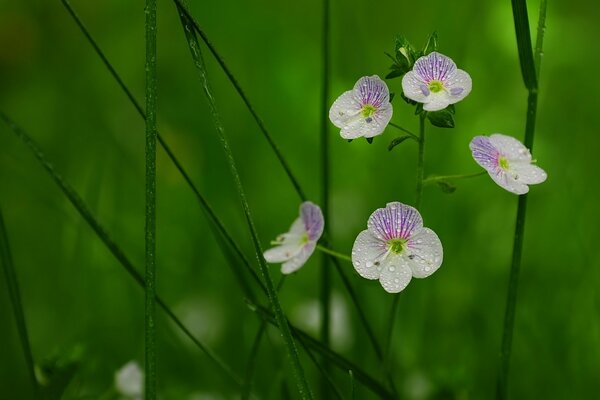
395	246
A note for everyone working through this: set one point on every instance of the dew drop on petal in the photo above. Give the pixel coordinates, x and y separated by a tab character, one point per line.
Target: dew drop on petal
392	269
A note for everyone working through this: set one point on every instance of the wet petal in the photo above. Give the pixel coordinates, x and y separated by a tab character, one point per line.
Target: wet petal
296	262
283	252
437	101
395	274
372	90
507	181
345	109
434	66
368	127
396	220
484	152
414	87
459	85
528	173
366	252
424	253
510	147
312	218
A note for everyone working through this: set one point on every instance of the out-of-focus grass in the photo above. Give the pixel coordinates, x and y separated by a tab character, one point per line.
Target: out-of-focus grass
449	327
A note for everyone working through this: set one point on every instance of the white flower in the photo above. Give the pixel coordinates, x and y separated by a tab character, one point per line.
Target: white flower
363	111
507	161
396	247
436	82
296	246
129	381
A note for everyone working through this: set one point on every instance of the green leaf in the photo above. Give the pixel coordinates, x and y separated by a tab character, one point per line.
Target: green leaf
442	118
419	109
370	140
395	142
446	187
394	73
392	95
432	44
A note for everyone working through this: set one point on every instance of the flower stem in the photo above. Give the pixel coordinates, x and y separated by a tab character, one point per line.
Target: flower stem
434	179
150	239
334	253
530	73
404	130
420	161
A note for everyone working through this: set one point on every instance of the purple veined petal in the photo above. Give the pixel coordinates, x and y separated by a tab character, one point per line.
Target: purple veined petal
459	85
296	262
437	101
368	127
414	87
506	180
395	221
510	147
283	252
434	66
528	173
367	252
395	274
372	90
424	253
484	152
344	109
312	218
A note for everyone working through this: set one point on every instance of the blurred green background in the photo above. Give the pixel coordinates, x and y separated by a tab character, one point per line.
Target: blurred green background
78	300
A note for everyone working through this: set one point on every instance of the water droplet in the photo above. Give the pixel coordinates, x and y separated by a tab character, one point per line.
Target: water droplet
392	269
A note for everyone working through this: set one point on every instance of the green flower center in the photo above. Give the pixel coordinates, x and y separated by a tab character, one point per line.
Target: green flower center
397	245
368	110
503	162
304	239
436	86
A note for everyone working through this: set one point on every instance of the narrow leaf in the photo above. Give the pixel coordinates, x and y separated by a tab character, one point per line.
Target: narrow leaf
442	119
432	44
395	142
446	187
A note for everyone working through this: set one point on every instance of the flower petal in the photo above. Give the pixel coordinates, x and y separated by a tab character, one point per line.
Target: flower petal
299	259
345	109
459	85
434	66
437	101
424	253
507	181
395	221
395	274
372	90
528	173
414	87
484	152
283	252
367	251
510	147
312	218
368	127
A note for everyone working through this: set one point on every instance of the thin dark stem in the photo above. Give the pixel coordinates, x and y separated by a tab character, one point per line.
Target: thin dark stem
530	72
404	130
282	322
334	253
434	179
15	297
150	276
420	162
325	297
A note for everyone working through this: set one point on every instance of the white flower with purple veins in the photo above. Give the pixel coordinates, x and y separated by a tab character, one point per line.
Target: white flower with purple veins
507	161
396	247
436	82
363	111
296	246
129	381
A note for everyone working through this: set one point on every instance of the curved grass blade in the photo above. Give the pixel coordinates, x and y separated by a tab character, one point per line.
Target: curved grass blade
103	235
15	297
282	322
526	59
213	218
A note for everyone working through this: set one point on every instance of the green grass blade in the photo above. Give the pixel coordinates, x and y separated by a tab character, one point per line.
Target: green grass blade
193	24
527	68
325	373
15	297
103	235
213	218
194	46
150	237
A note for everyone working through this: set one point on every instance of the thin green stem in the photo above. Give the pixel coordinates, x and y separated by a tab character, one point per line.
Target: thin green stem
15	297
530	73
150	276
420	161
282	322
434	179
404	130
206	207
334	253
103	235
325	295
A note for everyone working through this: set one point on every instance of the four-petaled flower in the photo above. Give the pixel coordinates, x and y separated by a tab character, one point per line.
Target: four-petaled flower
396	247
507	161
436	82
363	111
296	246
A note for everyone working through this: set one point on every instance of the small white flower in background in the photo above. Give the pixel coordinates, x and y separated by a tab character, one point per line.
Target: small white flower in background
396	247
507	161
297	245
129	381
436	82
363	111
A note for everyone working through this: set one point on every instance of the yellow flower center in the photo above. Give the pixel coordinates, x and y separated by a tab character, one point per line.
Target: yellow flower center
397	245
368	110
436	86
503	162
